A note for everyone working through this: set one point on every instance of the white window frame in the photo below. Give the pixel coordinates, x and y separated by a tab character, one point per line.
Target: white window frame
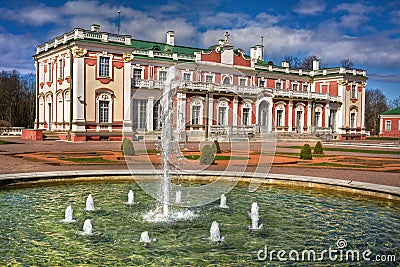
261	83
353	123
187	77
353	91
244	81
142	110
225	78
99	65
196	102
208	76
318	119
223	105
295	85
246	105
49	72
60	72
104	97
304	87
388	125
162	75
280	85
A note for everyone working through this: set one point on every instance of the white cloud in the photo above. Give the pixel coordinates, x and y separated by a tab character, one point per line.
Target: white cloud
310	7
358	8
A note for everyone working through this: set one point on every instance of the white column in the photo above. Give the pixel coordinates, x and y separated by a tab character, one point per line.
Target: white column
363	109
181	111
78	85
210	111
309	113
327	112
127	116
150	115
235	111
290	116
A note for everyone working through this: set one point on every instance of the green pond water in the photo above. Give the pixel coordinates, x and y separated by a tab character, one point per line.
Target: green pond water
31	233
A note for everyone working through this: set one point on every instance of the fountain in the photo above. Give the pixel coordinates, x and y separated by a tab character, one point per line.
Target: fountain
68	215
89	203
131	198
254	217
178	197
144	238
223	202
215	235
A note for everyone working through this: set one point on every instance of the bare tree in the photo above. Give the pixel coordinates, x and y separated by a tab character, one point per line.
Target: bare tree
346	63
375	104
307	62
394	103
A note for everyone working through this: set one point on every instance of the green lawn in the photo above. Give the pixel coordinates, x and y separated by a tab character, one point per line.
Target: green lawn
3	142
369	151
195	157
330	164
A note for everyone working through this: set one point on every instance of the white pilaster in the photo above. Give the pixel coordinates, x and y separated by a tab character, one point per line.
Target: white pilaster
150	115
78	85
181	111
309	113
290	116
327	112
127	123
235	111
363	108
210	111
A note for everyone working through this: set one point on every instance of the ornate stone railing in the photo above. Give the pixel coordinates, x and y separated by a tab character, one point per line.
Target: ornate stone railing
11	130
305	95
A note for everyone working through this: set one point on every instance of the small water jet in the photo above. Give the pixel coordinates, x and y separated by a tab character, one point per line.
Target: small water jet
87	228
144	238
68	215
254	216
223	202
215	235
90	203
178	197
131	198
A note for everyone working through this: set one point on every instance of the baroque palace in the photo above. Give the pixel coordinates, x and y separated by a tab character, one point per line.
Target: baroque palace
94	85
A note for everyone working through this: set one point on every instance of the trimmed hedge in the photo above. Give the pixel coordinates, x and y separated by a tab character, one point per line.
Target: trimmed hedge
318	148
127	147
305	152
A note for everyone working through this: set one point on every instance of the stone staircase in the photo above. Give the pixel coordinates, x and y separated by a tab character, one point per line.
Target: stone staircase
50	135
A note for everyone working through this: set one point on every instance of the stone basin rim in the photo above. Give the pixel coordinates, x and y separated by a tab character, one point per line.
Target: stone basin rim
355	187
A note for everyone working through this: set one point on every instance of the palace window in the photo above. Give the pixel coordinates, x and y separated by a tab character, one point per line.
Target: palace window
60	68
104	66
226	81
305	87
279	117
142	112
242	82
354	91
196	114
261	83
187	77
222	113
246	116
317	117
137	74
49	72
104	111
353	120
278	85
209	78
295	87
162	75
388	125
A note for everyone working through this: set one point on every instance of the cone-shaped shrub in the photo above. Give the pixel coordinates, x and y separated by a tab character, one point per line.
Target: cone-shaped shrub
305	152
207	155
127	147
216	147
318	148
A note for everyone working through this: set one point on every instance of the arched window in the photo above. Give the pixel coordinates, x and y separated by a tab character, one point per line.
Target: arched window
318	116
280	115
104	107
353	118
226	81
246	113
299	117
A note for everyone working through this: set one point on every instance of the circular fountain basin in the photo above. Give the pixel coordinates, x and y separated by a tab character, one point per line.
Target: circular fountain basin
293	219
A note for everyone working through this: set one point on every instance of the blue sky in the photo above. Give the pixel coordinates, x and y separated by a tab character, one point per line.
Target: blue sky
367	32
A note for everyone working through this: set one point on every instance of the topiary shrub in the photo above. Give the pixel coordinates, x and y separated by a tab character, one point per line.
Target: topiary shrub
318	148
207	155
305	152
216	147
127	147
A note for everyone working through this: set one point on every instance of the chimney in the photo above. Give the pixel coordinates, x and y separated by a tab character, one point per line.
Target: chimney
171	38
95	28
315	65
260	52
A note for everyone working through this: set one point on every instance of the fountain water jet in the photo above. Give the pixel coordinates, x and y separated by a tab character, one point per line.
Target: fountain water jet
215	235
87	228
178	197
89	203
131	198
68	215
223	202
144	237
255	217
